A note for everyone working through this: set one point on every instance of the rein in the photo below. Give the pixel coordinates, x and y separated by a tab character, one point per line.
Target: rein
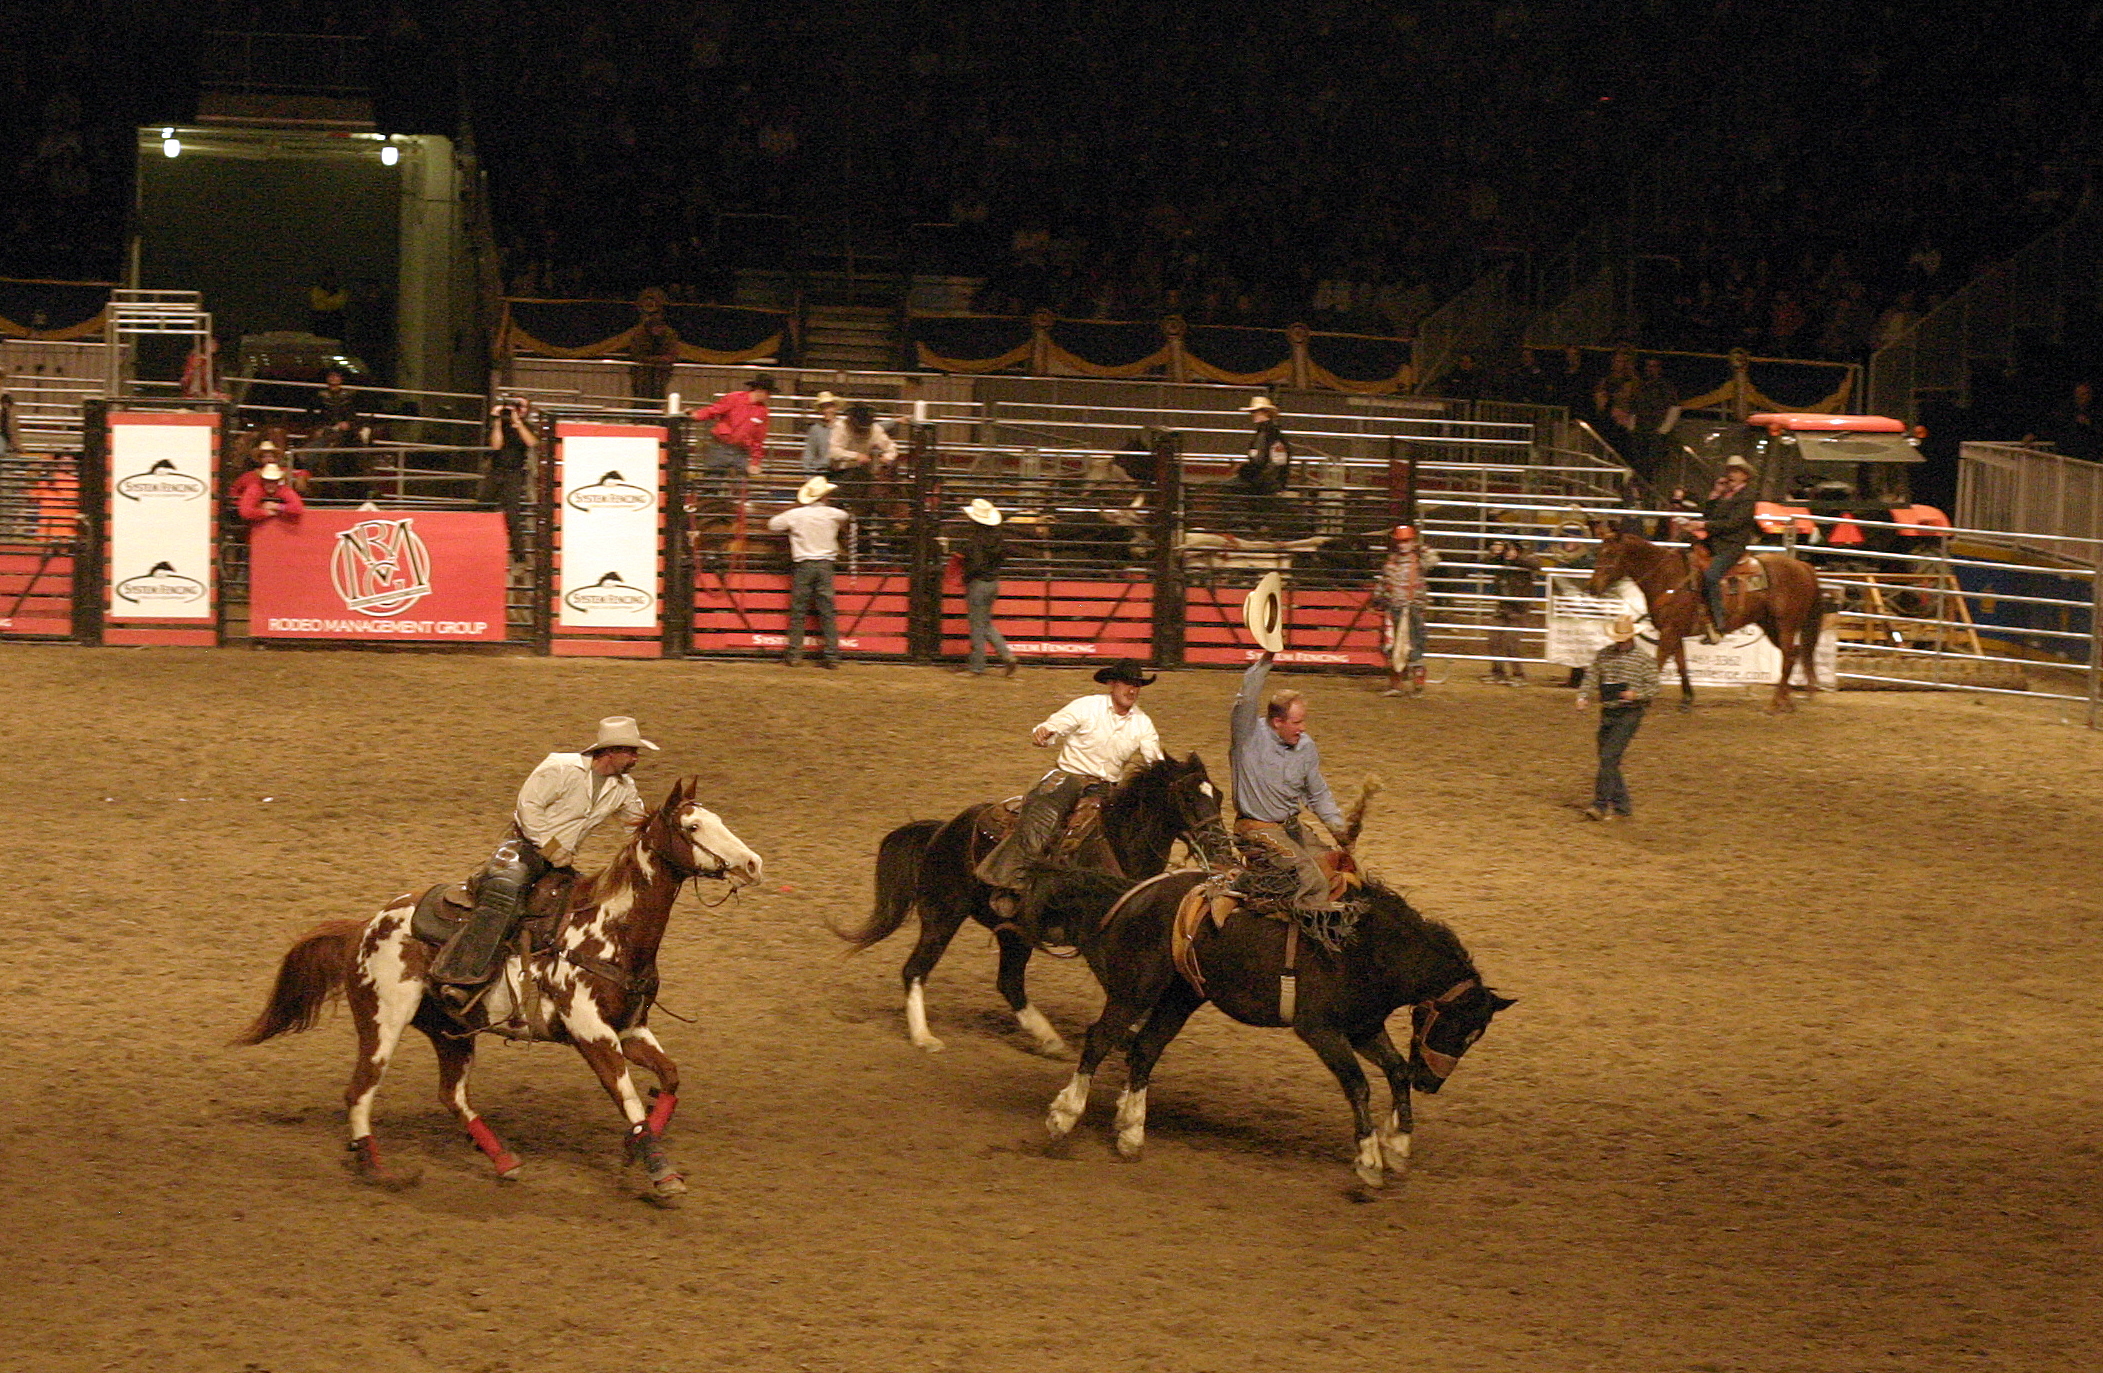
1425	1014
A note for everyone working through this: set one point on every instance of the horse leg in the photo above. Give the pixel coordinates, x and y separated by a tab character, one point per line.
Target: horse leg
602	1049
383	996
1791	646
1394	1132
642	1049
1335	1051
1686	683
939	924
1170	1013
456	1059
1111	1031
1014	961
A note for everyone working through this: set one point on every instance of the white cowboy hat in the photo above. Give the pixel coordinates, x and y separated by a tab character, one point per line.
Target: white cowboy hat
271	472
1262	403
1263	611
824	398
1622	629
983	510
617	731
816	489
1736	460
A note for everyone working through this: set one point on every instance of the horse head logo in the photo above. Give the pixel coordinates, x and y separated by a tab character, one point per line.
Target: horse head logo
380	567
611	492
160	584
163	481
610	593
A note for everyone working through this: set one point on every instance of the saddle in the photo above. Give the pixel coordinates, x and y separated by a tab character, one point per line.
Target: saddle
1083	823
1216	898
445	908
1749	574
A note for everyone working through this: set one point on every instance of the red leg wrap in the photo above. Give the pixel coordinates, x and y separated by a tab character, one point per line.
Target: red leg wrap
486	1140
661	1108
365	1156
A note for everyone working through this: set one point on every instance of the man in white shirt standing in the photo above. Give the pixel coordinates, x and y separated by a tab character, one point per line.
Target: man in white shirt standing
1098	737
564	799
813	528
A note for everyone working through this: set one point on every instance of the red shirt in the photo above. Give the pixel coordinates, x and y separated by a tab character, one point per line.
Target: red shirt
251	490
741	422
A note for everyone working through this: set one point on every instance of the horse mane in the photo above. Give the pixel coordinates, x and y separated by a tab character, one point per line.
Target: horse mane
1141	786
1436	933
623	870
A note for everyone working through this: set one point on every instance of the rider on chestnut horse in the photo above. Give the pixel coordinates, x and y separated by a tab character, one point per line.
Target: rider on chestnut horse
1101	735
564	799
1728	529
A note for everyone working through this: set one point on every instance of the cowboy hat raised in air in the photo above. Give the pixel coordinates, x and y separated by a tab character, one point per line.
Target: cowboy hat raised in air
1123	670
1263	611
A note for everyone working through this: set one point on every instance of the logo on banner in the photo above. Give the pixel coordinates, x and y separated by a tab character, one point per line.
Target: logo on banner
380	567
611	492
161	482
609	593
160	585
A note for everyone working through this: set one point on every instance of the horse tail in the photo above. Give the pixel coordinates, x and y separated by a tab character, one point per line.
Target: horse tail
312	974
898	860
1807	635
1354	819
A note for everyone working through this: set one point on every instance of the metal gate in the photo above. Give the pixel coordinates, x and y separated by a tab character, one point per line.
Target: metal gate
42	542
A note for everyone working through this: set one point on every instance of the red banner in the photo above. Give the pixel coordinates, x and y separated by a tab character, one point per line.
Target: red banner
433	575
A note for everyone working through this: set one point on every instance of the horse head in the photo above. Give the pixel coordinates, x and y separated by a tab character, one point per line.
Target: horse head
1166	800
1617	549
1197	806
1445	1026
696	842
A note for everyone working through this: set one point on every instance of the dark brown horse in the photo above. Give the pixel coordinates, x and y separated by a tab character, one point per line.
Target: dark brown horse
926	867
1789	610
591	988
1340	1005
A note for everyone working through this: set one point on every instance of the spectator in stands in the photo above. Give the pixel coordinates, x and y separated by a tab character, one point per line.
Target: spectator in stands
266	491
10	426
335	423
738	436
1463	380
1654	409
653	348
1267	469
1625	678
813	528
505	481
817	440
1511	581
2072	430
984	551
1573	389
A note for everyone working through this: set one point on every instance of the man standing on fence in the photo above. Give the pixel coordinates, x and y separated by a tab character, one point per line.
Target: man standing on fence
1268	467
512	445
813	528
738	435
1624	677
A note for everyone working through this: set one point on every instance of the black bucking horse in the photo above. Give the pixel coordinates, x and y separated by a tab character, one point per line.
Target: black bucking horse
1338	1006
927	867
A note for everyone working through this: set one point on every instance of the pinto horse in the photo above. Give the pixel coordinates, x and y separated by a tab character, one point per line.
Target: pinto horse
1339	1006
591	987
927	867
1789	610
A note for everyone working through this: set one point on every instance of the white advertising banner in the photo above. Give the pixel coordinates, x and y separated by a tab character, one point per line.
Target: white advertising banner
1577	624
161	517
610	495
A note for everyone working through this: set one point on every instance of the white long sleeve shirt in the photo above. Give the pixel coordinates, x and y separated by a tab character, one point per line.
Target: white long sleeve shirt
1098	742
563	801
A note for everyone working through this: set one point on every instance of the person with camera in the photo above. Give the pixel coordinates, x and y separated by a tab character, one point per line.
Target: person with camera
505	482
1624	676
1511	582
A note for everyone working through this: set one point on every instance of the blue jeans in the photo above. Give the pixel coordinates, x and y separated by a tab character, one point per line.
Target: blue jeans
1617	725
1722	558
813	583
978	610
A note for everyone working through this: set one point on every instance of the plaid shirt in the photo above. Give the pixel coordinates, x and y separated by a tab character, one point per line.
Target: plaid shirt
1631	667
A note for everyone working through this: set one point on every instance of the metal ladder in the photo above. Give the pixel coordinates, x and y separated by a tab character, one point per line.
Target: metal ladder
135	314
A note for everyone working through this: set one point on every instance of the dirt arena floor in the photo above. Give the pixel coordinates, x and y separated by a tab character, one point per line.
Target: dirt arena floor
1803	1074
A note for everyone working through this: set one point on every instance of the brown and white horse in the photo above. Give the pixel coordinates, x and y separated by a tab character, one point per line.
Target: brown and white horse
592	987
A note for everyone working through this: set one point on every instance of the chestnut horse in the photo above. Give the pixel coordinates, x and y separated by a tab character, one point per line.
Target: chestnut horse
925	868
1789	610
591	987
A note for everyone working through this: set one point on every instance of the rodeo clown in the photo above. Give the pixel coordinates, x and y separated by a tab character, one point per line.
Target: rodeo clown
564	799
1100	736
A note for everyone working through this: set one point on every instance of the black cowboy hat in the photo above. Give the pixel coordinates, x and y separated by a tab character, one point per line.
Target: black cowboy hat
1124	670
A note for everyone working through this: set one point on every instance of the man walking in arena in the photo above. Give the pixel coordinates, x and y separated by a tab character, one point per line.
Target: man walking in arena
1625	678
563	800
1099	737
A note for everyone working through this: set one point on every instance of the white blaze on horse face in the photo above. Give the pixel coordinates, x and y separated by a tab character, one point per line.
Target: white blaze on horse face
1131	1122
1206	787
916	1020
708	833
1067	1106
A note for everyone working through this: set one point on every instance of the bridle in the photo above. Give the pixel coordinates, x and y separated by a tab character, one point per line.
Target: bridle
1425	1014
720	871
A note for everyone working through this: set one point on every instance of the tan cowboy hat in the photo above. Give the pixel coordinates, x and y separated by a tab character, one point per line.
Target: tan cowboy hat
271	472
983	511
1263	611
1738	461
816	489
617	731
1261	403
824	398
1622	629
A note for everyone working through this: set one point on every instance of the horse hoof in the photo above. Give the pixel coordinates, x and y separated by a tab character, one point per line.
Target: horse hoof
1369	1177
929	1045
1130	1143
1057	1049
673	1186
